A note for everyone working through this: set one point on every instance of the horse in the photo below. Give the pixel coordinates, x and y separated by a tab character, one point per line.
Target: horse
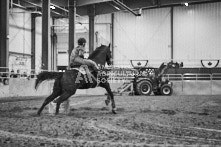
66	83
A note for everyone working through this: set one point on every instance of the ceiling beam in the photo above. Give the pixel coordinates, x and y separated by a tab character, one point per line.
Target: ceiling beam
106	6
126	7
89	2
79	3
40	6
175	2
18	5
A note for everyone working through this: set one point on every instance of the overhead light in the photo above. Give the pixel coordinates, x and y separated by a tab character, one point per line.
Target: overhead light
52	7
140	11
186	4
116	7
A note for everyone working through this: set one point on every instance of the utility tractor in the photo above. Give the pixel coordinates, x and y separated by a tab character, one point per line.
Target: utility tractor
149	79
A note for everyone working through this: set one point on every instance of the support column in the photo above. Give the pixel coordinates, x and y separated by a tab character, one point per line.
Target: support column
91	14
33	16
46	51
4	32
53	47
171	28
112	37
72	19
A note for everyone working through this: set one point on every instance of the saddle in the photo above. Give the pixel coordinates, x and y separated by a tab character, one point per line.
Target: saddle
82	69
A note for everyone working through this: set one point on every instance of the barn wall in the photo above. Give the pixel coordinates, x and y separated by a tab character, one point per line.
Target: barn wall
146	37
102	35
102	30
197	33
196	30
20	31
38	43
62	30
19	40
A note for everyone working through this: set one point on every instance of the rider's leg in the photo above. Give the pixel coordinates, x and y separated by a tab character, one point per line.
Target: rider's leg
87	62
79	60
92	64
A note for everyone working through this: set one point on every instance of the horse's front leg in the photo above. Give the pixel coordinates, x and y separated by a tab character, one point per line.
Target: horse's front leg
110	97
107	101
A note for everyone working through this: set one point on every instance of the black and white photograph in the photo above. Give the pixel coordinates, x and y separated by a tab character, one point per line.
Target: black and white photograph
110	73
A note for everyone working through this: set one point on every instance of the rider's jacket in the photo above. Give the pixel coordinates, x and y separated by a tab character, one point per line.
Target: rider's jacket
77	52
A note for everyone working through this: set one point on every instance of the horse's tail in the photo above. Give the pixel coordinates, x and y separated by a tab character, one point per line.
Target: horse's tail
47	76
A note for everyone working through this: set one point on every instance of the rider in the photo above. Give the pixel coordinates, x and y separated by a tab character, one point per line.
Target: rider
77	56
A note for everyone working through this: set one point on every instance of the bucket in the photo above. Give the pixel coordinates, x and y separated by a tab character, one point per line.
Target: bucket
64	107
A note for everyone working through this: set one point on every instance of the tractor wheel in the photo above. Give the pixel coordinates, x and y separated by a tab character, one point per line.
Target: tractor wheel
166	90
144	87
5	81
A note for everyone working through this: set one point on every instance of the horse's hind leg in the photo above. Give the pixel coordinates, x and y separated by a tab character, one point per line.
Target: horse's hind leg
56	92
61	99
47	101
111	96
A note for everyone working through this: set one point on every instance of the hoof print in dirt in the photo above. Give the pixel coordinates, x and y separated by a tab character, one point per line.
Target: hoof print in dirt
104	109
169	112
219	116
203	113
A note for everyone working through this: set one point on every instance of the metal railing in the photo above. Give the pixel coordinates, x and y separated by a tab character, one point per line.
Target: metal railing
192	77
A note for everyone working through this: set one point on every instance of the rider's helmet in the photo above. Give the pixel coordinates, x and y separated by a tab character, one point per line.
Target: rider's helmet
81	41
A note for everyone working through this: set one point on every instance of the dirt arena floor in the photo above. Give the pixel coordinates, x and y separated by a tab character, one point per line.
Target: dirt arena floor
140	121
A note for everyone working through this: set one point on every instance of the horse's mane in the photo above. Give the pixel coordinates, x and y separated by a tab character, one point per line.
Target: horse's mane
98	51
99	55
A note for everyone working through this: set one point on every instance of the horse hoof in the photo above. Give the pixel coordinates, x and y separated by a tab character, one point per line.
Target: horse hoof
107	102
114	111
38	114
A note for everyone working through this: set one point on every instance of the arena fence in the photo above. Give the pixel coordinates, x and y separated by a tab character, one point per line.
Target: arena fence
183	84
196	84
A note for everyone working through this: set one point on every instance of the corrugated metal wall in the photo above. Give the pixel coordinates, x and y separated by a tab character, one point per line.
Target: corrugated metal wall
144	37
19	40
102	34
102	30
20	31
196	30
197	33
38	43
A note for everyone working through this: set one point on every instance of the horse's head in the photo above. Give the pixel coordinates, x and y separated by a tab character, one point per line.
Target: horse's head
101	55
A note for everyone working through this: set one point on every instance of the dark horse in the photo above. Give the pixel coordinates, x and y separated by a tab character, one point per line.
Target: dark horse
66	83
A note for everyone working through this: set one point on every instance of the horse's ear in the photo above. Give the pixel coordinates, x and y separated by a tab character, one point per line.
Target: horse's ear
109	45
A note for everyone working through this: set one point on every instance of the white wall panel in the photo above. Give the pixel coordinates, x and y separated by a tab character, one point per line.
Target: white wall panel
102	30
144	37
19	40
102	34
20	31
38	43
197	33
